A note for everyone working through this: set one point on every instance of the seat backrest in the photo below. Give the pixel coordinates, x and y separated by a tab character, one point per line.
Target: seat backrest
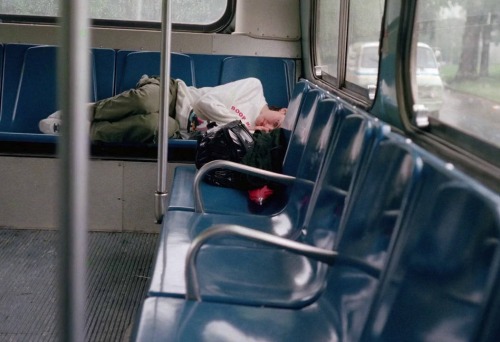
274	73
321	133
132	65
37	89
294	107
300	134
368	229
105	72
490	329
354	138
441	275
1	80
12	66
36	96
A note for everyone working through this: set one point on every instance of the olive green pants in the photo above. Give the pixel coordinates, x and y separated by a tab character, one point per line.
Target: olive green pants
132	116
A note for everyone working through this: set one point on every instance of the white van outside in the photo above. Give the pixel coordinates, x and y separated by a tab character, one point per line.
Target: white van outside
362	70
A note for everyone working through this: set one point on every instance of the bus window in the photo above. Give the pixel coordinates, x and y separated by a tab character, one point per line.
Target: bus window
365	18
327	37
190	12
362	66
456	77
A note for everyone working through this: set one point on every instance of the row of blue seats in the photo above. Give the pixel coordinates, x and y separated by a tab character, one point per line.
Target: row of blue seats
375	239
29	80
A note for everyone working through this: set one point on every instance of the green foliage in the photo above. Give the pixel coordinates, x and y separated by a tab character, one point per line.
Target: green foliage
462	40
485	87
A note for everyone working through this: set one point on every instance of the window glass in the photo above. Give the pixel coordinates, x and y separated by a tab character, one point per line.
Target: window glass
198	12
456	78
327	36
365	20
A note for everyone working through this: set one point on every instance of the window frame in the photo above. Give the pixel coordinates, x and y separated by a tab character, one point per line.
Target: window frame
469	148
216	27
468	153
339	84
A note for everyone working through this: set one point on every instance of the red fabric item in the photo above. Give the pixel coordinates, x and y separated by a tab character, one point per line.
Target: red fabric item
260	195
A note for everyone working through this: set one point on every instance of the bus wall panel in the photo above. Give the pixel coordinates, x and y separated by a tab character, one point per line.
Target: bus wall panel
120	194
139	187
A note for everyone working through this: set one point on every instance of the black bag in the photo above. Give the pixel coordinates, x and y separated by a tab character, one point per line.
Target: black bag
229	142
268	154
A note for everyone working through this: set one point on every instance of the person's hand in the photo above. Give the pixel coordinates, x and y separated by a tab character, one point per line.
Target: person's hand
263	128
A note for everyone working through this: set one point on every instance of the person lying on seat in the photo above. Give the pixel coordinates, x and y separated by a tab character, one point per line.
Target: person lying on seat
133	115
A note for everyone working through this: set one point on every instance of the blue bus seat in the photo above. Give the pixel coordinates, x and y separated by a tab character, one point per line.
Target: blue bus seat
133	64
16	137
294	108
104	72
274	73
1	81
442	276
490	329
12	68
352	138
181	195
432	277
37	89
336	302
36	95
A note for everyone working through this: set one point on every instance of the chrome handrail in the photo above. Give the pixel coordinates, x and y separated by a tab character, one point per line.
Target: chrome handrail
73	89
192	284
166	47
326	256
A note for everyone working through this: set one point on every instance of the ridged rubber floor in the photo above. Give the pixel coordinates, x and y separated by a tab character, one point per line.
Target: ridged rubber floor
118	270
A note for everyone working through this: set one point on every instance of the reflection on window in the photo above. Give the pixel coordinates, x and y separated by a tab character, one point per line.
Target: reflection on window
201	12
365	18
327	36
457	74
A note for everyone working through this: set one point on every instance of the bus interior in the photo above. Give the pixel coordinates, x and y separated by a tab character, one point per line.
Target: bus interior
386	224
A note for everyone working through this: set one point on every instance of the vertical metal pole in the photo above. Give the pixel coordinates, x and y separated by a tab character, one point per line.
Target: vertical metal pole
73	147
161	191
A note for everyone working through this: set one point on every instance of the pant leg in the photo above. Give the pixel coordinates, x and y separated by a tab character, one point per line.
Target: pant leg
142	100
141	128
173	98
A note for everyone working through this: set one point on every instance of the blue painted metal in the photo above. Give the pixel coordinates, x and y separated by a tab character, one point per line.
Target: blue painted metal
272	72
442	276
30	87
131	65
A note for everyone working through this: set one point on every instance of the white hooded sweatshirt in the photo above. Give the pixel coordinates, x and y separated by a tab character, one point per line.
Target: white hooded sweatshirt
239	100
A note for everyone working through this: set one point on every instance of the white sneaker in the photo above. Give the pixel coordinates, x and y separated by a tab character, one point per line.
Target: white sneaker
50	125
55	115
